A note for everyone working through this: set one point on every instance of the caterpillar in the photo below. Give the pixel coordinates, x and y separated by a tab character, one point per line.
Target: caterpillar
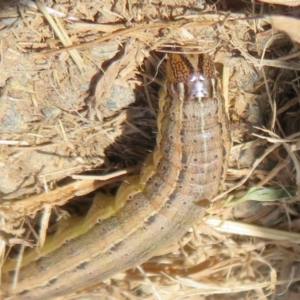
151	210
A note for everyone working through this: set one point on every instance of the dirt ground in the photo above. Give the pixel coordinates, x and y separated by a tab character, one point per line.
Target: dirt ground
73	120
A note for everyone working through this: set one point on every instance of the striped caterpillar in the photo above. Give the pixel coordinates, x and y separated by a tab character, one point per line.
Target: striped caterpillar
151	210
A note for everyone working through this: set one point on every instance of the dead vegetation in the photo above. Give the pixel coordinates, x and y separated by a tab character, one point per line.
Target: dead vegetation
91	109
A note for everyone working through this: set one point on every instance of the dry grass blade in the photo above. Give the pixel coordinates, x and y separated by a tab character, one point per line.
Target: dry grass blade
282	2
61	33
